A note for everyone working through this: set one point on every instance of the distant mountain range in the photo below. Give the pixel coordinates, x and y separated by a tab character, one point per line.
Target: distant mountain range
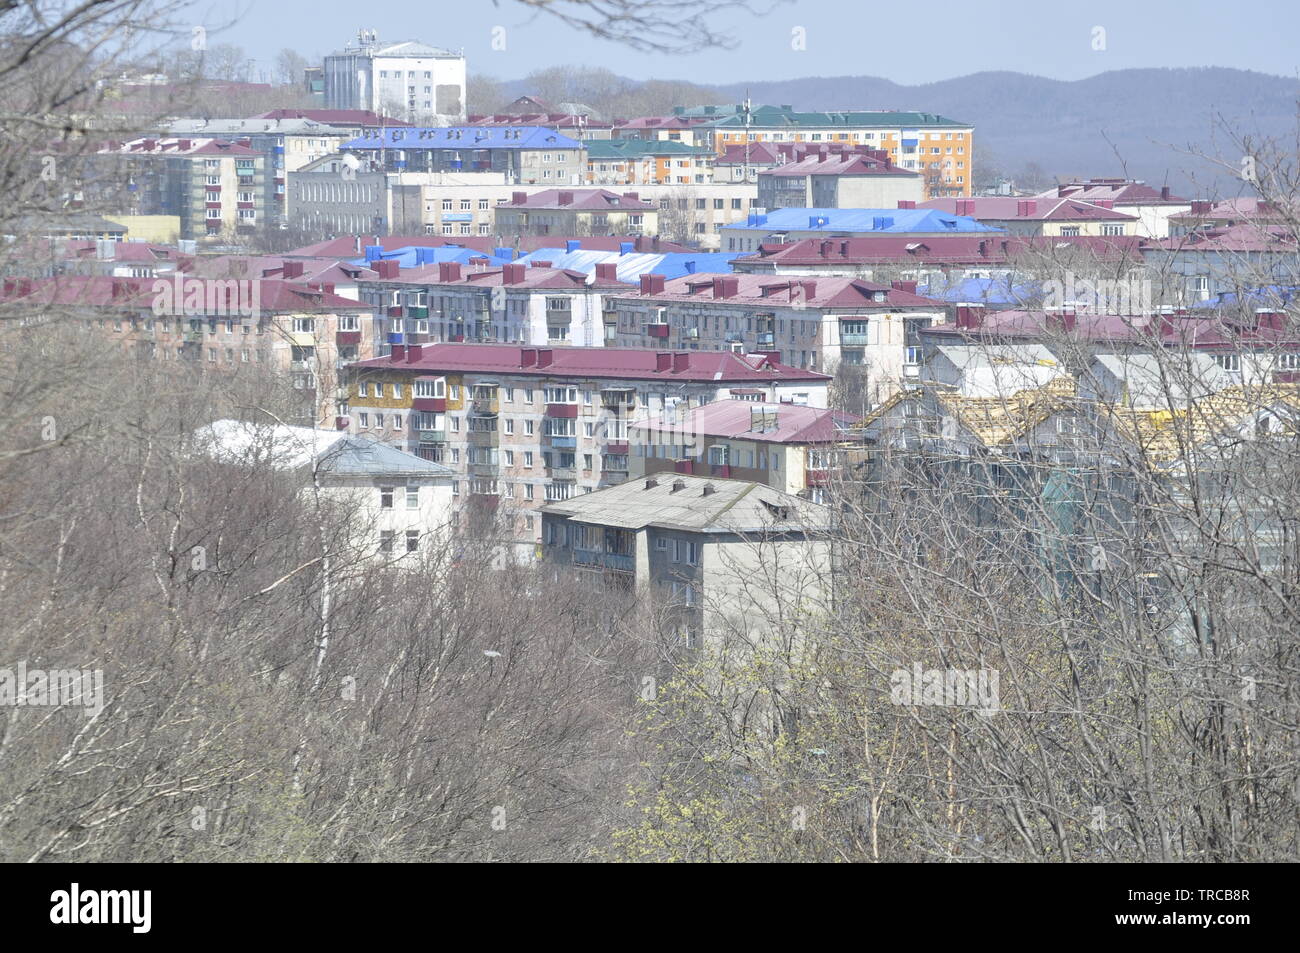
1141	121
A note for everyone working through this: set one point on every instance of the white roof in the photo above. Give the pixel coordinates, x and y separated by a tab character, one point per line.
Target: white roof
1000	370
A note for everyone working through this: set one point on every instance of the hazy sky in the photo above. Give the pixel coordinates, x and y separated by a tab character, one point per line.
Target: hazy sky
908	42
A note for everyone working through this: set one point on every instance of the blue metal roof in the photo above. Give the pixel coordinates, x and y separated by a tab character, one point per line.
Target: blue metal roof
632	265
415	256
1267	296
463	137
882	220
993	292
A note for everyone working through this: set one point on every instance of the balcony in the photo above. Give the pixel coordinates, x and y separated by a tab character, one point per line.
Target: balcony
302	338
393	312
854	340
567	474
657	330
684	466
347	338
560	442
431	436
821	477
484	469
484	405
417	312
720	470
767	340
562	410
430	405
618	448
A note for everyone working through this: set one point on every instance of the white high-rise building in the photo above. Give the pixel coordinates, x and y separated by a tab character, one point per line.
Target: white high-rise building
406	80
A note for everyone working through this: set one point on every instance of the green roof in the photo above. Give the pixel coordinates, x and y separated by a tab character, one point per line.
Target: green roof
640	148
779	116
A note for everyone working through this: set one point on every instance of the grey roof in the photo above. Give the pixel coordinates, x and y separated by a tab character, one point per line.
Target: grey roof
678	501
356	455
285	447
1155	382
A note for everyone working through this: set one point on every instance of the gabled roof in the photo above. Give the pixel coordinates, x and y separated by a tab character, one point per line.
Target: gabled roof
751	291
1003	208
1119	191
795	423
833	164
677	501
993	421
723	367
285	447
583	200
976	248
1165	436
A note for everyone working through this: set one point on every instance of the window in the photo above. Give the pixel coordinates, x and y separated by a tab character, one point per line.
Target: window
528	427
510	458
661	544
386	541
510	425
412	540
386	497
412	497
1229	362
686	552
528	458
365	421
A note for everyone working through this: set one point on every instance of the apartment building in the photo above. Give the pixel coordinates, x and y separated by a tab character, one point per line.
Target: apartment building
939	148
304	335
523	426
214	187
576	212
647	162
796	224
839	180
786	446
1054	217
398	506
696	213
523	304
729	559
808	323
407	80
525	155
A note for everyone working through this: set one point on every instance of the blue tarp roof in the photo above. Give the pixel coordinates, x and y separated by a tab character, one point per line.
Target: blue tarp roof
883	220
634	264
463	137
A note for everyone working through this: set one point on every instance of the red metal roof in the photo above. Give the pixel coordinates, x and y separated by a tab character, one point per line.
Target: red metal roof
938	249
583	199
821	292
1001	208
599	362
